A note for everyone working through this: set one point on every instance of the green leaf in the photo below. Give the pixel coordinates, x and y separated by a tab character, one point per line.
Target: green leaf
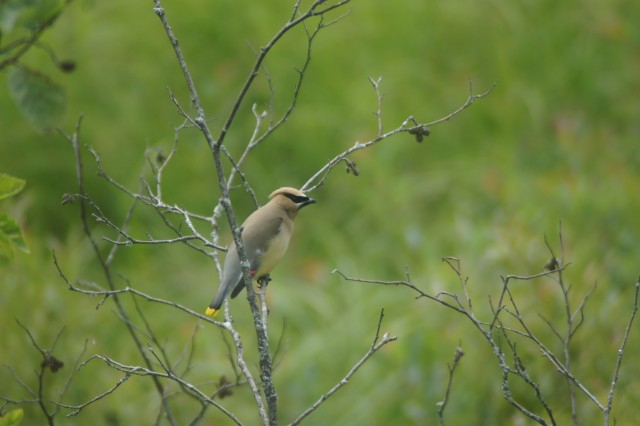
10	185
6	248
9	14
11	236
40	99
27	13
12	418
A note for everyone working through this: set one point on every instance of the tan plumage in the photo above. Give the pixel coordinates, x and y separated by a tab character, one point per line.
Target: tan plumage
265	234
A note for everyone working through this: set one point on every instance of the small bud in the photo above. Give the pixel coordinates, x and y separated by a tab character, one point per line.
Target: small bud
459	354
420	132
52	362
67	199
351	167
224	388
67	65
551	265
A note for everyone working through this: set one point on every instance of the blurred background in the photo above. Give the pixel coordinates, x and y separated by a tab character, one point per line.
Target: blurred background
555	142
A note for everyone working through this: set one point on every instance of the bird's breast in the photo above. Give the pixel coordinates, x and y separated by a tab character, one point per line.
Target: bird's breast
273	254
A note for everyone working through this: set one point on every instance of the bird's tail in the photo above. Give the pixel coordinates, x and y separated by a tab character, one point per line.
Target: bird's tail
216	303
226	287
211	312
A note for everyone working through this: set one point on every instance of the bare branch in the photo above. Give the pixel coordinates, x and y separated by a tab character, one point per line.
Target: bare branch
237	340
452	369
557	364
78	408
22	384
377	344
115	293
471	99
623	345
155	201
507	305
410	125
379	95
318	8
49	362
143	371
401	284
534	276
153	355
105	265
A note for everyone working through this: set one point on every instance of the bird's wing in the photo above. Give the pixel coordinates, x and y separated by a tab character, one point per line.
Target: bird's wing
256	241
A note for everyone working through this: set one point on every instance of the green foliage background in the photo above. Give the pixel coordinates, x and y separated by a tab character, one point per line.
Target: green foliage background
556	140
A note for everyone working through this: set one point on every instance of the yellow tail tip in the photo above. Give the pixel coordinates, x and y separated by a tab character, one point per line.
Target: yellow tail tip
210	312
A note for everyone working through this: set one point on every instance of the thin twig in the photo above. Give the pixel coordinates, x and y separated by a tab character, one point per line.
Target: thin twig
399	283
48	362
452	369
379	96
623	345
317	8
130	371
417	129
378	342
105	266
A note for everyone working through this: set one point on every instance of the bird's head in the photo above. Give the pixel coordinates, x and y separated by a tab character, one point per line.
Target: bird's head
290	199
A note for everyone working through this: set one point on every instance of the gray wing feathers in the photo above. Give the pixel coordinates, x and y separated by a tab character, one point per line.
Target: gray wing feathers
230	276
256	242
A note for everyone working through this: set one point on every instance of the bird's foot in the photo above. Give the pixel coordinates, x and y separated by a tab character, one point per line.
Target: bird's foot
263	281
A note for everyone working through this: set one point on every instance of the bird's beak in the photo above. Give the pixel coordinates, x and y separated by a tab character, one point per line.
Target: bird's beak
306	202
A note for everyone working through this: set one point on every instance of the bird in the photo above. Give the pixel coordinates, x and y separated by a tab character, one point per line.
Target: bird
265	235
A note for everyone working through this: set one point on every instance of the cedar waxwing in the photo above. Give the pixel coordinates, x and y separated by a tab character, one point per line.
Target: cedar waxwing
265	235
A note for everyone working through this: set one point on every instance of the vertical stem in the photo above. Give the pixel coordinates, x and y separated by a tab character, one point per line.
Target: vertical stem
261	331
74	140
215	146
565	344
